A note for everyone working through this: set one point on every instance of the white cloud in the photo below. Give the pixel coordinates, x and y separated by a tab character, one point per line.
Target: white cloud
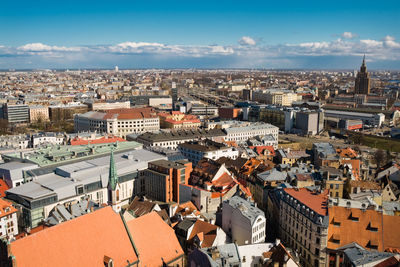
39	47
246	40
349	35
246	53
390	42
371	43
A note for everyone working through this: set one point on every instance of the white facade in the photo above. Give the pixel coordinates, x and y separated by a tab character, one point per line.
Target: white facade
117	127
244	222
241	134
39	140
195	155
9	225
110	105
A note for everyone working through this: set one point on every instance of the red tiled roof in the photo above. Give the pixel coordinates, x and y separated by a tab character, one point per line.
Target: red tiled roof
316	202
260	149
224	180
83	241
103	140
154	239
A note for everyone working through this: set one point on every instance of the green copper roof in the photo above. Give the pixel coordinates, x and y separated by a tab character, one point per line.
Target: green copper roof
57	154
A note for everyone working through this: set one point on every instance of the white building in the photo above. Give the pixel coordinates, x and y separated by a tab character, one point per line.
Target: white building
89	178
49	138
119	122
13	172
243	221
8	220
197	150
109	105
370	119
242	134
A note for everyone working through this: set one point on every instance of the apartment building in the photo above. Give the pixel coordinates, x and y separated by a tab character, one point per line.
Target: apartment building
303	224
196	150
109	105
8	219
243	221
162	179
17	113
243	133
119	122
178	120
172	139
38	113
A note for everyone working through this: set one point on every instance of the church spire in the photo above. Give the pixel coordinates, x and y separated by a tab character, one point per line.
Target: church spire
112	176
363	68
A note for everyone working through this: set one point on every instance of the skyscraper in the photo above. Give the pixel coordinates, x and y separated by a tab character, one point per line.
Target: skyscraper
362	85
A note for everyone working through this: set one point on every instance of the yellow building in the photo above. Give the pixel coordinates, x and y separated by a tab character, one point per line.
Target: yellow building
178	120
38	112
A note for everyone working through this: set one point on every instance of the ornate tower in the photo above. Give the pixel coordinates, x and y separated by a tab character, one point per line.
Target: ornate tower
114	198
362	83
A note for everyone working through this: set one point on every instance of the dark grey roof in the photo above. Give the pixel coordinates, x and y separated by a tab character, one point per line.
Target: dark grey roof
360	256
180	135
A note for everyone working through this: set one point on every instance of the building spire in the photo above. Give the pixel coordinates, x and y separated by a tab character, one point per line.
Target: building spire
363	63
112	176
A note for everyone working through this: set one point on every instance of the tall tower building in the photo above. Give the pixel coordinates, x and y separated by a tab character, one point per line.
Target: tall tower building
114	198
362	85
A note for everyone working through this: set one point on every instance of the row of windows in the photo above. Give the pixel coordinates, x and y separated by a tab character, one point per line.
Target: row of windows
258	237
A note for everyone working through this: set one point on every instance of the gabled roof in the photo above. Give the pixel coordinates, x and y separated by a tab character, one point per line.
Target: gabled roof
141	207
154	240
206	230
83	241
6	208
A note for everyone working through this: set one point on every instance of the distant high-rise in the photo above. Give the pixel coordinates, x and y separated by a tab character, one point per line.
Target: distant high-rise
362	85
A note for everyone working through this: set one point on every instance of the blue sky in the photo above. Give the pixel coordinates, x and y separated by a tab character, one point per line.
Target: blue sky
201	34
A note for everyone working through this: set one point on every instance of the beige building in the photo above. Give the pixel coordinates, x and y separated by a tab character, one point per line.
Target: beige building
38	112
178	120
276	97
109	105
335	186
303	224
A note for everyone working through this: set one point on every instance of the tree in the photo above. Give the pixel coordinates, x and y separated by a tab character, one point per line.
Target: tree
379	158
357	149
356	138
3	126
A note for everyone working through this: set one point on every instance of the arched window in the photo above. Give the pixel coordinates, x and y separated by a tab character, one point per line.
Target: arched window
117	194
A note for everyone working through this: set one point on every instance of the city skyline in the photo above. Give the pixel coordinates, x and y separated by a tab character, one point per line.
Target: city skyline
174	34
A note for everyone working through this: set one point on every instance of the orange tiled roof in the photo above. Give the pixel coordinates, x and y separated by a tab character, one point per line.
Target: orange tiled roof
346	152
187	208
351	230
391	233
154	240
316	202
32	231
83	241
208	231
3	188
6	208
130	113
103	140
224	180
